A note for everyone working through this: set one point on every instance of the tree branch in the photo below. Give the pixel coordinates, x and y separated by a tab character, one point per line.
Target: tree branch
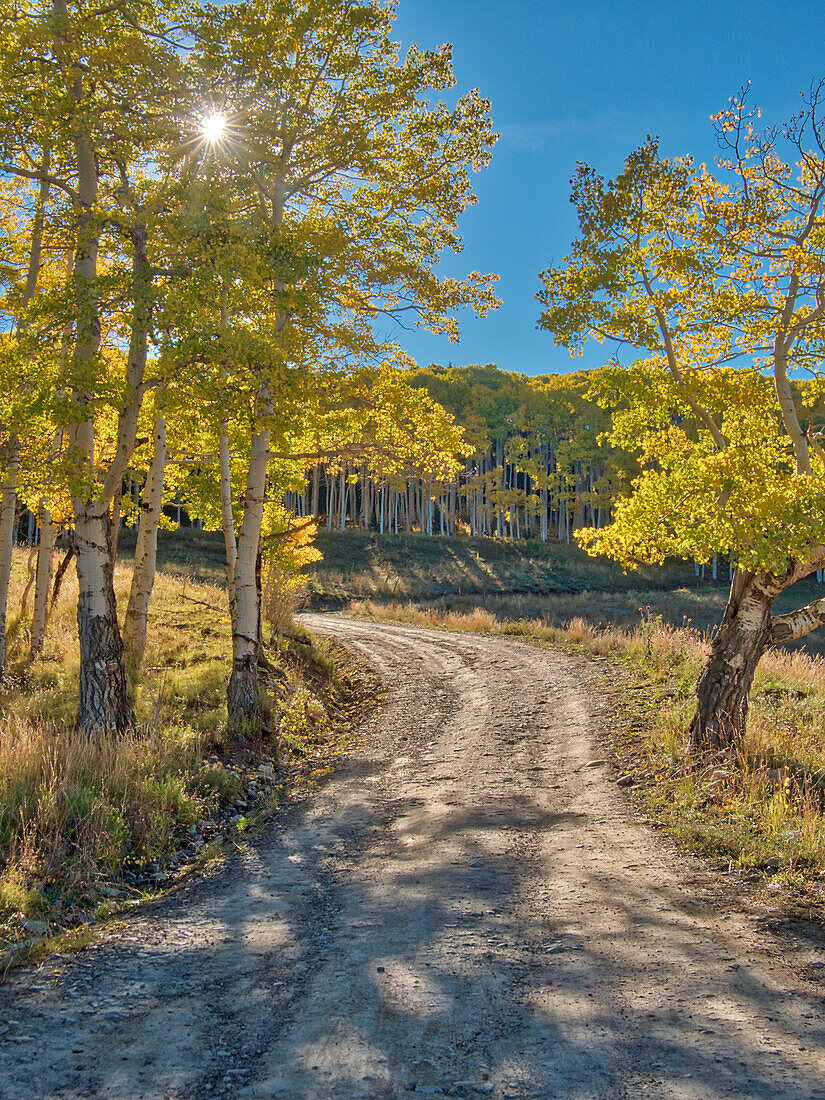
796	624
784	391
347	450
41	177
699	411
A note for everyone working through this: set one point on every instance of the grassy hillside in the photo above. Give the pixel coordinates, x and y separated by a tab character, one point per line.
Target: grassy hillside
187	552
527	579
357	564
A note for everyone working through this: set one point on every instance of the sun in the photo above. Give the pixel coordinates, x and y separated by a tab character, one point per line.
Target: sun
213	128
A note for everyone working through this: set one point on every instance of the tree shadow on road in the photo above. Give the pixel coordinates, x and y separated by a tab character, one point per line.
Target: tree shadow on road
367	944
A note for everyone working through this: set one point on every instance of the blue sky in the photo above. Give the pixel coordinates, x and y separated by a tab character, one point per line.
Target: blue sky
587	80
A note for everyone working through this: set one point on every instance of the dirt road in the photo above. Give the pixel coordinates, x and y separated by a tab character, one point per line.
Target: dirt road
464	909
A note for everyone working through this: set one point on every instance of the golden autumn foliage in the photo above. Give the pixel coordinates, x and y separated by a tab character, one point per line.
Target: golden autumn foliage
718	278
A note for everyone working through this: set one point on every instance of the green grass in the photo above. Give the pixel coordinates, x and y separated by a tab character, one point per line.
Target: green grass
699	608
187	552
526	579
358	564
552	582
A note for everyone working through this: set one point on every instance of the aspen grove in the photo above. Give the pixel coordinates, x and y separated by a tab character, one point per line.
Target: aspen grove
210	216
535	464
204	292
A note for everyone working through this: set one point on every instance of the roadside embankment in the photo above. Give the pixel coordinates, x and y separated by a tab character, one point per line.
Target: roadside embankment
88	829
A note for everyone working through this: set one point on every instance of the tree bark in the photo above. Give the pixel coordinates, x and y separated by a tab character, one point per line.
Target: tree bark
242	691
146	549
316	488
796	624
105	706
43	579
718	726
8	503
227	517
114	517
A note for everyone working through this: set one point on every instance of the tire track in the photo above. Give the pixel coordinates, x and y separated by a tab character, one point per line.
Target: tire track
463	909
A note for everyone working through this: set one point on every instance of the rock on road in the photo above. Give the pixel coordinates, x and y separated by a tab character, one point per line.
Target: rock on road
463	909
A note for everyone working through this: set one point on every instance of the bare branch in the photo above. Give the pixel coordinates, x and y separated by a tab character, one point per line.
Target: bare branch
796	624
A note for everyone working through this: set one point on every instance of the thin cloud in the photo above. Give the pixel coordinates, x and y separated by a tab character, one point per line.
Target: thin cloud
538	135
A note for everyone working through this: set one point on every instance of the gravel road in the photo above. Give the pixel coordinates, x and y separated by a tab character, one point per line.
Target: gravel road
466	908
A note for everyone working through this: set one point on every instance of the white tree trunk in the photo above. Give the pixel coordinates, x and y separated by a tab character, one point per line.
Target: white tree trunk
104	704
43	578
242	693
146	549
8	502
227	518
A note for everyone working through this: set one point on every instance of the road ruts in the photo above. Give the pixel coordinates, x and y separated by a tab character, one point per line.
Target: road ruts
463	909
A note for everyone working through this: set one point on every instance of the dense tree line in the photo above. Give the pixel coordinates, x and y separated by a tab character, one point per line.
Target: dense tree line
534	464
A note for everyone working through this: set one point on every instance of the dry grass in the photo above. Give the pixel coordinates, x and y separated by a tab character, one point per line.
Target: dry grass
697	608
76	817
761	811
358	564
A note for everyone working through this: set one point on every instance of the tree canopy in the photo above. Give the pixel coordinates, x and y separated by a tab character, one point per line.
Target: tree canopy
214	205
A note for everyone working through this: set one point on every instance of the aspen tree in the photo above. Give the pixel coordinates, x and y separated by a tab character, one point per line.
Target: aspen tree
721	279
146	546
525	435
106	79
10	465
22	216
357	181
